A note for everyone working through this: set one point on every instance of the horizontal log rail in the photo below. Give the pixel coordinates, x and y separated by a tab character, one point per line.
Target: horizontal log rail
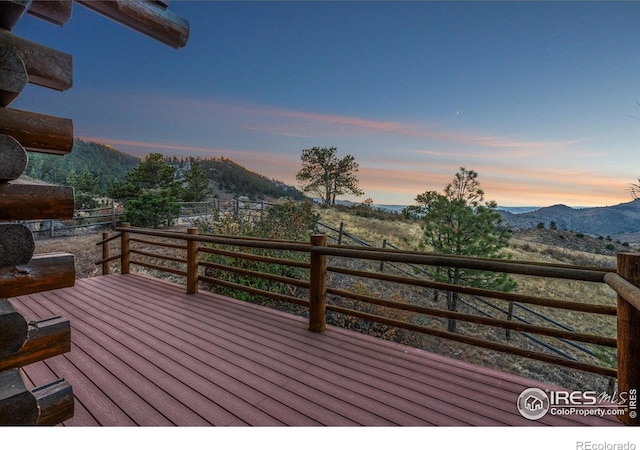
110	238
109	259
252	257
161	257
489	265
254	291
624	288
159	244
471	340
224	240
240	249
501	295
159	268
472	318
256	274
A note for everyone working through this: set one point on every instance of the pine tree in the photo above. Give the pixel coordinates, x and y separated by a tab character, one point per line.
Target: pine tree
459	222
327	176
197	183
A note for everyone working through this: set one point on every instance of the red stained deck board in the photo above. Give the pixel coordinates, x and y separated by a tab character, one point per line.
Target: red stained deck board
146	353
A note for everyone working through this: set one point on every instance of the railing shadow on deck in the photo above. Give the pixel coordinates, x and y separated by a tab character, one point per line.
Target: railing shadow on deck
624	280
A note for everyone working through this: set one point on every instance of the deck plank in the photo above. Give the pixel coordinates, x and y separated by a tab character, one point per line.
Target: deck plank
146	353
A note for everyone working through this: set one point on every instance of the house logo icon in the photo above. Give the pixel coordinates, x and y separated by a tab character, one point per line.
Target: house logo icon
533	403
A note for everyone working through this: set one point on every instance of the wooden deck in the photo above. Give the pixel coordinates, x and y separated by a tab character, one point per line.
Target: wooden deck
145	353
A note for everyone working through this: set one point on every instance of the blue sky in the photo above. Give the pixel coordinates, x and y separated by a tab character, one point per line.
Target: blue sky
538	97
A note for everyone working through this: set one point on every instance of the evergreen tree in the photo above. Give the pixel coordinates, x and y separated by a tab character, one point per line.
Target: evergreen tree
197	183
459	222
151	192
85	188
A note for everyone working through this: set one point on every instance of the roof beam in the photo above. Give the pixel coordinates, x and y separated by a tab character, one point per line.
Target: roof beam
146	17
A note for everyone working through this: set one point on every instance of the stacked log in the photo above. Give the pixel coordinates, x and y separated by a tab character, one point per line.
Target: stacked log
22	272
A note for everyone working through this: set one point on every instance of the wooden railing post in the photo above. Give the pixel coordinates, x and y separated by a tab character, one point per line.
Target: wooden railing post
125	258
105	253
628	267
340	233
192	263
318	286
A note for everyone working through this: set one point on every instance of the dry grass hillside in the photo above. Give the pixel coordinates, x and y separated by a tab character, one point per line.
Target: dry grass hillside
533	245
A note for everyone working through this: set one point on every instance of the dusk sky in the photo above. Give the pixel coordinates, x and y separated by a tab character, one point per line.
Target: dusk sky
542	99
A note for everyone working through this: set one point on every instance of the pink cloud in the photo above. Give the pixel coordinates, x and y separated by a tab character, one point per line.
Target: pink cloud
314	124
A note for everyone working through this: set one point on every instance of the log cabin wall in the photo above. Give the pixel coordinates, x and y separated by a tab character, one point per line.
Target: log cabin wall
22	272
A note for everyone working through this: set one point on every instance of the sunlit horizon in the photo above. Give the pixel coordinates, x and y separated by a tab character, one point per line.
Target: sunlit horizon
540	98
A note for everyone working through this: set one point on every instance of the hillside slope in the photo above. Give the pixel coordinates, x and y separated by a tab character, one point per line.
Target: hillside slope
601	221
108	165
105	162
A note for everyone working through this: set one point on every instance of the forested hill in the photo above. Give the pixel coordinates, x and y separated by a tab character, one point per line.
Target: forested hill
108	165
105	163
228	177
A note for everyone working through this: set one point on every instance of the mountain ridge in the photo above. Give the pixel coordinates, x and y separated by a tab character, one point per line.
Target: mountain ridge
623	218
108	165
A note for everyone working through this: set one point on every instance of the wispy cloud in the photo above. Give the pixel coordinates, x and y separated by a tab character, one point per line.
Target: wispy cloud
305	123
274	120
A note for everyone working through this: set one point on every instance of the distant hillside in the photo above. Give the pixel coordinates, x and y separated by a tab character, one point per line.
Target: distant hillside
104	162
601	221
109	165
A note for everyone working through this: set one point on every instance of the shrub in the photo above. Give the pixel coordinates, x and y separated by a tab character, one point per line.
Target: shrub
289	221
152	209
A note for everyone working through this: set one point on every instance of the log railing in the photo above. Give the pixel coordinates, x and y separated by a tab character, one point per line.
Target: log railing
319	293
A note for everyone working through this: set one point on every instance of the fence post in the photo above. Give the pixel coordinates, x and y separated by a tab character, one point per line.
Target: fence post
628	267
192	263
384	245
318	286
340	233
105	254
114	222
125	256
509	317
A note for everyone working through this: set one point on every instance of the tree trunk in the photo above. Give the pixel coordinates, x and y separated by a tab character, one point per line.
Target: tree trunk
453	276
